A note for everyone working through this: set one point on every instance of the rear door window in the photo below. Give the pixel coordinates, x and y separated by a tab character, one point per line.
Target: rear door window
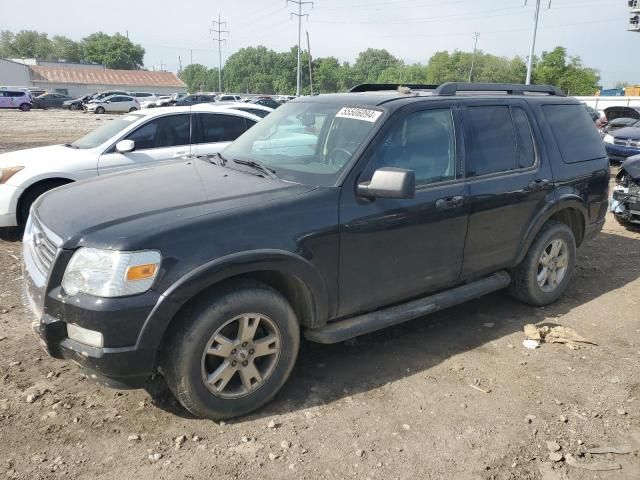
576	135
220	128
491	140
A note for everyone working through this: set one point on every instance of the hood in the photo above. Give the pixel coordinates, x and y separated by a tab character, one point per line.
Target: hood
632	166
112	211
38	156
627	133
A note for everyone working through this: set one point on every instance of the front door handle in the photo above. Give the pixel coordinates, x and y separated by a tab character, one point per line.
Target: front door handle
539	184
449	202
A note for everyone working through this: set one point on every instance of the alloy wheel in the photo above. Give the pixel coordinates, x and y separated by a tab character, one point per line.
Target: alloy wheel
553	265
241	355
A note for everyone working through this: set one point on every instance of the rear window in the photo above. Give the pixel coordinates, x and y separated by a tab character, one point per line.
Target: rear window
576	135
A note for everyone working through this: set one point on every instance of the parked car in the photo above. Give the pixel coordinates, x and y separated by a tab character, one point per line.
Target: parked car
163	101
258	110
143	96
625	201
206	271
599	118
114	104
175	97
622	112
76	103
136	140
20	99
266	102
50	100
623	143
102	95
619	123
228	98
194	99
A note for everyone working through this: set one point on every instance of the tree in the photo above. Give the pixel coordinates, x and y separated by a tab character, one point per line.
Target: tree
326	74
196	77
371	63
568	73
66	49
26	44
115	51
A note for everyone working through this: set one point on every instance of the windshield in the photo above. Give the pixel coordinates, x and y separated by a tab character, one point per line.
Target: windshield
106	131
307	143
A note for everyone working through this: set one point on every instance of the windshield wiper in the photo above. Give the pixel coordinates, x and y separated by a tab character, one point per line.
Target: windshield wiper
69	145
270	172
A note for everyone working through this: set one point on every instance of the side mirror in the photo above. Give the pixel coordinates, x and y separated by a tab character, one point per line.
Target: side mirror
125	146
389	182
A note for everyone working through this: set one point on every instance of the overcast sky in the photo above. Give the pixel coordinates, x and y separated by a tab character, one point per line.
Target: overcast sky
413	30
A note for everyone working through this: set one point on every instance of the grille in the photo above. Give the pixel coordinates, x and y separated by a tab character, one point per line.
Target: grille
627	143
43	245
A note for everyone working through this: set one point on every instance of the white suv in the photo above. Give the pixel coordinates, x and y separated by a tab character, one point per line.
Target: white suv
136	140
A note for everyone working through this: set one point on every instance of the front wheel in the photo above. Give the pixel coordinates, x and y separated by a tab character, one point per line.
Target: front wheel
232	352
545	272
132	109
25	107
100	110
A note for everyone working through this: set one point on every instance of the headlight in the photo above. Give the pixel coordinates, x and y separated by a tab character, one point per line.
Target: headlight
108	273
608	138
8	172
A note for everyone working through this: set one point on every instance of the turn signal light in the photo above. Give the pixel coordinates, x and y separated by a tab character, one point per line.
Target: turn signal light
141	272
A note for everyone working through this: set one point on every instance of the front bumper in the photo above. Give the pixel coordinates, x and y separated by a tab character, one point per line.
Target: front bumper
123	362
619	153
9	196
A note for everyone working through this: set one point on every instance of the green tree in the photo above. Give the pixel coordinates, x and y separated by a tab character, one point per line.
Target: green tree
326	74
27	44
568	73
371	63
66	49
114	51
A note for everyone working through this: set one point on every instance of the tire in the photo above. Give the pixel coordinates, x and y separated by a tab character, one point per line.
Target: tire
100	110
185	364
31	195
132	109
525	285
25	107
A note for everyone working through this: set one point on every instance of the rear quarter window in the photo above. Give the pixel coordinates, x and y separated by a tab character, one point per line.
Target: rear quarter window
576	135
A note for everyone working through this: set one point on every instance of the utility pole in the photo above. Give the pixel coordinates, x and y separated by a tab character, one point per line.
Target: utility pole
191	52
300	3
310	62
217	28
475	49
533	40
179	63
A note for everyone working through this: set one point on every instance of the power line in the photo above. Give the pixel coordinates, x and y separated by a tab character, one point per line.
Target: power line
219	24
300	3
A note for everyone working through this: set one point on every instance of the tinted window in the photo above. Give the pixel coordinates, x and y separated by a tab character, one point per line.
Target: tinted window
221	128
575	134
14	94
491	140
423	142
524	137
255	111
169	131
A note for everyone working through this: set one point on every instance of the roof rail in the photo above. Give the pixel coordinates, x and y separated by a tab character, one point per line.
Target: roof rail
380	87
451	88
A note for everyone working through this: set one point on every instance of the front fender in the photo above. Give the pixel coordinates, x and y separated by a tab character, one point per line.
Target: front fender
216	271
563	202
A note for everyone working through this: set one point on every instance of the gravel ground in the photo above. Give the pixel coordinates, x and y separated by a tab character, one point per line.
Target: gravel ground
451	396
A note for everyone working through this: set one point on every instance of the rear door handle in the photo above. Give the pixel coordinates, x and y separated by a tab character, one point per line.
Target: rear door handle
539	184
449	202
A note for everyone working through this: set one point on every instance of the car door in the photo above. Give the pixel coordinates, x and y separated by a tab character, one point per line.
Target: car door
161	139
4	99
509	178
217	130
391	249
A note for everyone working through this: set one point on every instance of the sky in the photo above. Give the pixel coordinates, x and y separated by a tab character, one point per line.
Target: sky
595	30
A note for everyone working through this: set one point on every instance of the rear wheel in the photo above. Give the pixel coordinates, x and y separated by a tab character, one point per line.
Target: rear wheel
100	110
25	107
132	109
545	272
232	352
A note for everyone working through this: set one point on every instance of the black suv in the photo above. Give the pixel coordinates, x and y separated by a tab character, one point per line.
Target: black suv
337	215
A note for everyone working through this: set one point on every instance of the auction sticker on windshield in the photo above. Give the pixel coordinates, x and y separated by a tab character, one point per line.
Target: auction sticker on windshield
359	114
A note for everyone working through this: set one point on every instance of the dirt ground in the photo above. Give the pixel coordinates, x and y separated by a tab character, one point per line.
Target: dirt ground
398	404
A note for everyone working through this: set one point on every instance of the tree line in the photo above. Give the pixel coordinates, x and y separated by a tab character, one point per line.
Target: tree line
262	70
114	51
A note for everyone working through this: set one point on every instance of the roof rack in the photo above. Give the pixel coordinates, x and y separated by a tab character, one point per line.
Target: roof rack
452	88
380	87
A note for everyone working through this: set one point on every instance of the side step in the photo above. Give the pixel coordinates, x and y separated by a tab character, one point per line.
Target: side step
370	322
